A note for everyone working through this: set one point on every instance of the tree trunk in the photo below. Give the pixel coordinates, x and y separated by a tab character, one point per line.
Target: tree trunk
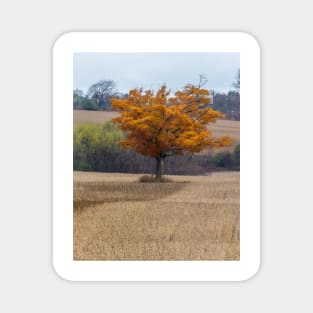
159	168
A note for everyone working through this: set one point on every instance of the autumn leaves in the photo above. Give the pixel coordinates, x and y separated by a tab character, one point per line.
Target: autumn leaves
160	125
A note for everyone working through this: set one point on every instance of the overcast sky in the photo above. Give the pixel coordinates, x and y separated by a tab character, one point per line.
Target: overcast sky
151	70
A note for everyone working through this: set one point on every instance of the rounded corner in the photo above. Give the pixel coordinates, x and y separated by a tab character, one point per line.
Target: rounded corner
59	273
251	39
251	274
62	39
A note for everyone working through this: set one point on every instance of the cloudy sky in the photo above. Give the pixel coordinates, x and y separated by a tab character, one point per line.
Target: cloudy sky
151	70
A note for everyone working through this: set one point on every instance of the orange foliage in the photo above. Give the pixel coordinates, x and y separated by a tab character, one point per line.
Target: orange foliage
158	125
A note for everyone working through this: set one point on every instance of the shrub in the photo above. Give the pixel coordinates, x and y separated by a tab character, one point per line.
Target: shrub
84	167
224	160
96	148
152	179
89	105
96	145
236	156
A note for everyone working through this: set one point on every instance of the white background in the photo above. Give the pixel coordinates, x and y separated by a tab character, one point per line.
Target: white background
63	52
28	30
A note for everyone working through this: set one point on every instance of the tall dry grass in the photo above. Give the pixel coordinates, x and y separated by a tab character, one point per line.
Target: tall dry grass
193	218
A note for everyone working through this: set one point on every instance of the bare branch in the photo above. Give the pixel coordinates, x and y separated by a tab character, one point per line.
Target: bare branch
202	80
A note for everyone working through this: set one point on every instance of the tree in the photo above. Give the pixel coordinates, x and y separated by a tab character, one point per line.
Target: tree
236	83
78	98
237	155
78	93
233	105
101	92
228	104
224	160
159	125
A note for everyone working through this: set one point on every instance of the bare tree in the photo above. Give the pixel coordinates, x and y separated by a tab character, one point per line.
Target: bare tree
101	92
236	83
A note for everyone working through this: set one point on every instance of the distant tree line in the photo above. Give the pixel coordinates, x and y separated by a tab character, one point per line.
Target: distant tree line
228	104
96	148
99	94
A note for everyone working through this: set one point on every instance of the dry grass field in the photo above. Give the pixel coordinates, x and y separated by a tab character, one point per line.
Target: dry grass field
221	128
84	116
191	218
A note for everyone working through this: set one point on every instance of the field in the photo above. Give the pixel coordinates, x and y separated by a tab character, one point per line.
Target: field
84	116
191	218
221	128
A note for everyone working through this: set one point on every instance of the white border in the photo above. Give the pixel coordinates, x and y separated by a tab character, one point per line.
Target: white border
63	262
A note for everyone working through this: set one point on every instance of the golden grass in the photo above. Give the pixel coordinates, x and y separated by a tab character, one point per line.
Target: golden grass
221	128
192	218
